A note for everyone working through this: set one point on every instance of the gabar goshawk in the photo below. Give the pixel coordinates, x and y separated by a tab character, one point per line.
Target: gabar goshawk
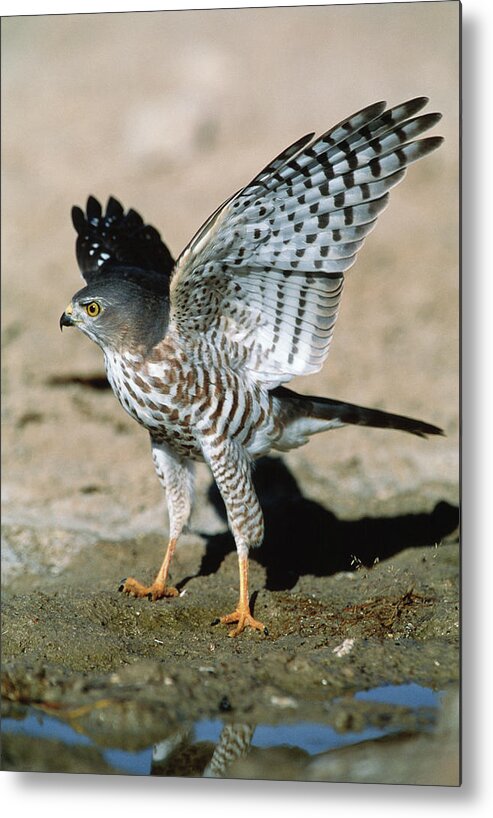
198	350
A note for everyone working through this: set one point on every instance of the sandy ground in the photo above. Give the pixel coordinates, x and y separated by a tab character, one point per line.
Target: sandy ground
171	112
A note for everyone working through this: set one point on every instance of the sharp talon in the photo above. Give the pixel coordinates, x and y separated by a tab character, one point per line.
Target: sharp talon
153	592
243	619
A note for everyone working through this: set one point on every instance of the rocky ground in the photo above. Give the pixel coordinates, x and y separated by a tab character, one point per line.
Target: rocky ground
171	113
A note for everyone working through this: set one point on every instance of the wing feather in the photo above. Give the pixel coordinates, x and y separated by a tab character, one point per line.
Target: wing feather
114	240
266	269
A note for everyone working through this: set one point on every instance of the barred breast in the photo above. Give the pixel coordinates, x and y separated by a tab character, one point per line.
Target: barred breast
182	402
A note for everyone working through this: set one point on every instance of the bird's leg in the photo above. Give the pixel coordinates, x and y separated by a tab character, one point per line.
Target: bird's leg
242	614
232	473
158	589
176	476
234	742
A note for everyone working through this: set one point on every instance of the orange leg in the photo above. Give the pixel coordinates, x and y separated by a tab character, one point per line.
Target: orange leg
242	614
158	589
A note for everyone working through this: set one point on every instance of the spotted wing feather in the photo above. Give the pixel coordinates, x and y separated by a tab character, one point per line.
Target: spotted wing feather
265	273
117	240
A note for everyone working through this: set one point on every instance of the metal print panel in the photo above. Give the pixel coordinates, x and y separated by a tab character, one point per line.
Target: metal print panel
282	335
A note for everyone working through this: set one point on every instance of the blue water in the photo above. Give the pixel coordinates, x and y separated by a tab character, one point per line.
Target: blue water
310	737
409	695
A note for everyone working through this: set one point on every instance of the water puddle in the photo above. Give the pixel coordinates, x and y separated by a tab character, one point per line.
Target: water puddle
209	746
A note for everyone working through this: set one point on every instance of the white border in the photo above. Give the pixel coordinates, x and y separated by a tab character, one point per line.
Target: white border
21	7
62	795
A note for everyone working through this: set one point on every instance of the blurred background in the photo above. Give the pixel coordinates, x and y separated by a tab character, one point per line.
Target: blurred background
171	112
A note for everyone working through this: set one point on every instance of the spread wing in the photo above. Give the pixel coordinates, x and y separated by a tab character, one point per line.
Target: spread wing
263	277
117	240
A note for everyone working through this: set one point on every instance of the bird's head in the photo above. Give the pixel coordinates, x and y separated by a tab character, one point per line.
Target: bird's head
123	311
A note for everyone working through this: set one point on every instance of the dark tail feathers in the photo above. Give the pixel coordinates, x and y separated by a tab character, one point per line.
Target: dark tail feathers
349	413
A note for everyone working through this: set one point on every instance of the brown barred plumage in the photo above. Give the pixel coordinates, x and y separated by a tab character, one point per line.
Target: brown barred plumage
196	351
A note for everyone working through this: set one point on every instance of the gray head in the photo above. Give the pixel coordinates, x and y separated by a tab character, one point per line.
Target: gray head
125	310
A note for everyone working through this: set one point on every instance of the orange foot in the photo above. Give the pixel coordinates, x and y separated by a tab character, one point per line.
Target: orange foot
244	619
157	590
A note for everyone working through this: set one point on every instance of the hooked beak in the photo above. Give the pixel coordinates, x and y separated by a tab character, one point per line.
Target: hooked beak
66	318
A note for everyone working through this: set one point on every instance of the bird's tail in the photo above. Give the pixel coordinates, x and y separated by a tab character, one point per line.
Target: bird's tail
336	413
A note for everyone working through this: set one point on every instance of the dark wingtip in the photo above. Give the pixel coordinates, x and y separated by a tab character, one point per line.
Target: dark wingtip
421	101
135	218
376	108
114	207
78	219
93	208
430	143
415	104
429	120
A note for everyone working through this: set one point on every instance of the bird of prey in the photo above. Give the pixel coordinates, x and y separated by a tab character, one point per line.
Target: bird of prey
197	350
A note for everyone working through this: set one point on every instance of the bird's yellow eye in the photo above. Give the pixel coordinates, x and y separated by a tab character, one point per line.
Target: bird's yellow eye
92	309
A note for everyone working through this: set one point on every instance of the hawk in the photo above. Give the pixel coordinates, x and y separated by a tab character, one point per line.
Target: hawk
198	350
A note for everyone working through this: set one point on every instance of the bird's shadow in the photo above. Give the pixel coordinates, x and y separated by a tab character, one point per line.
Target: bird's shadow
302	537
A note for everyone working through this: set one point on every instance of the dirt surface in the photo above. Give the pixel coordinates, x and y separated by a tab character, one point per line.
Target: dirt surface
171	113
128	673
